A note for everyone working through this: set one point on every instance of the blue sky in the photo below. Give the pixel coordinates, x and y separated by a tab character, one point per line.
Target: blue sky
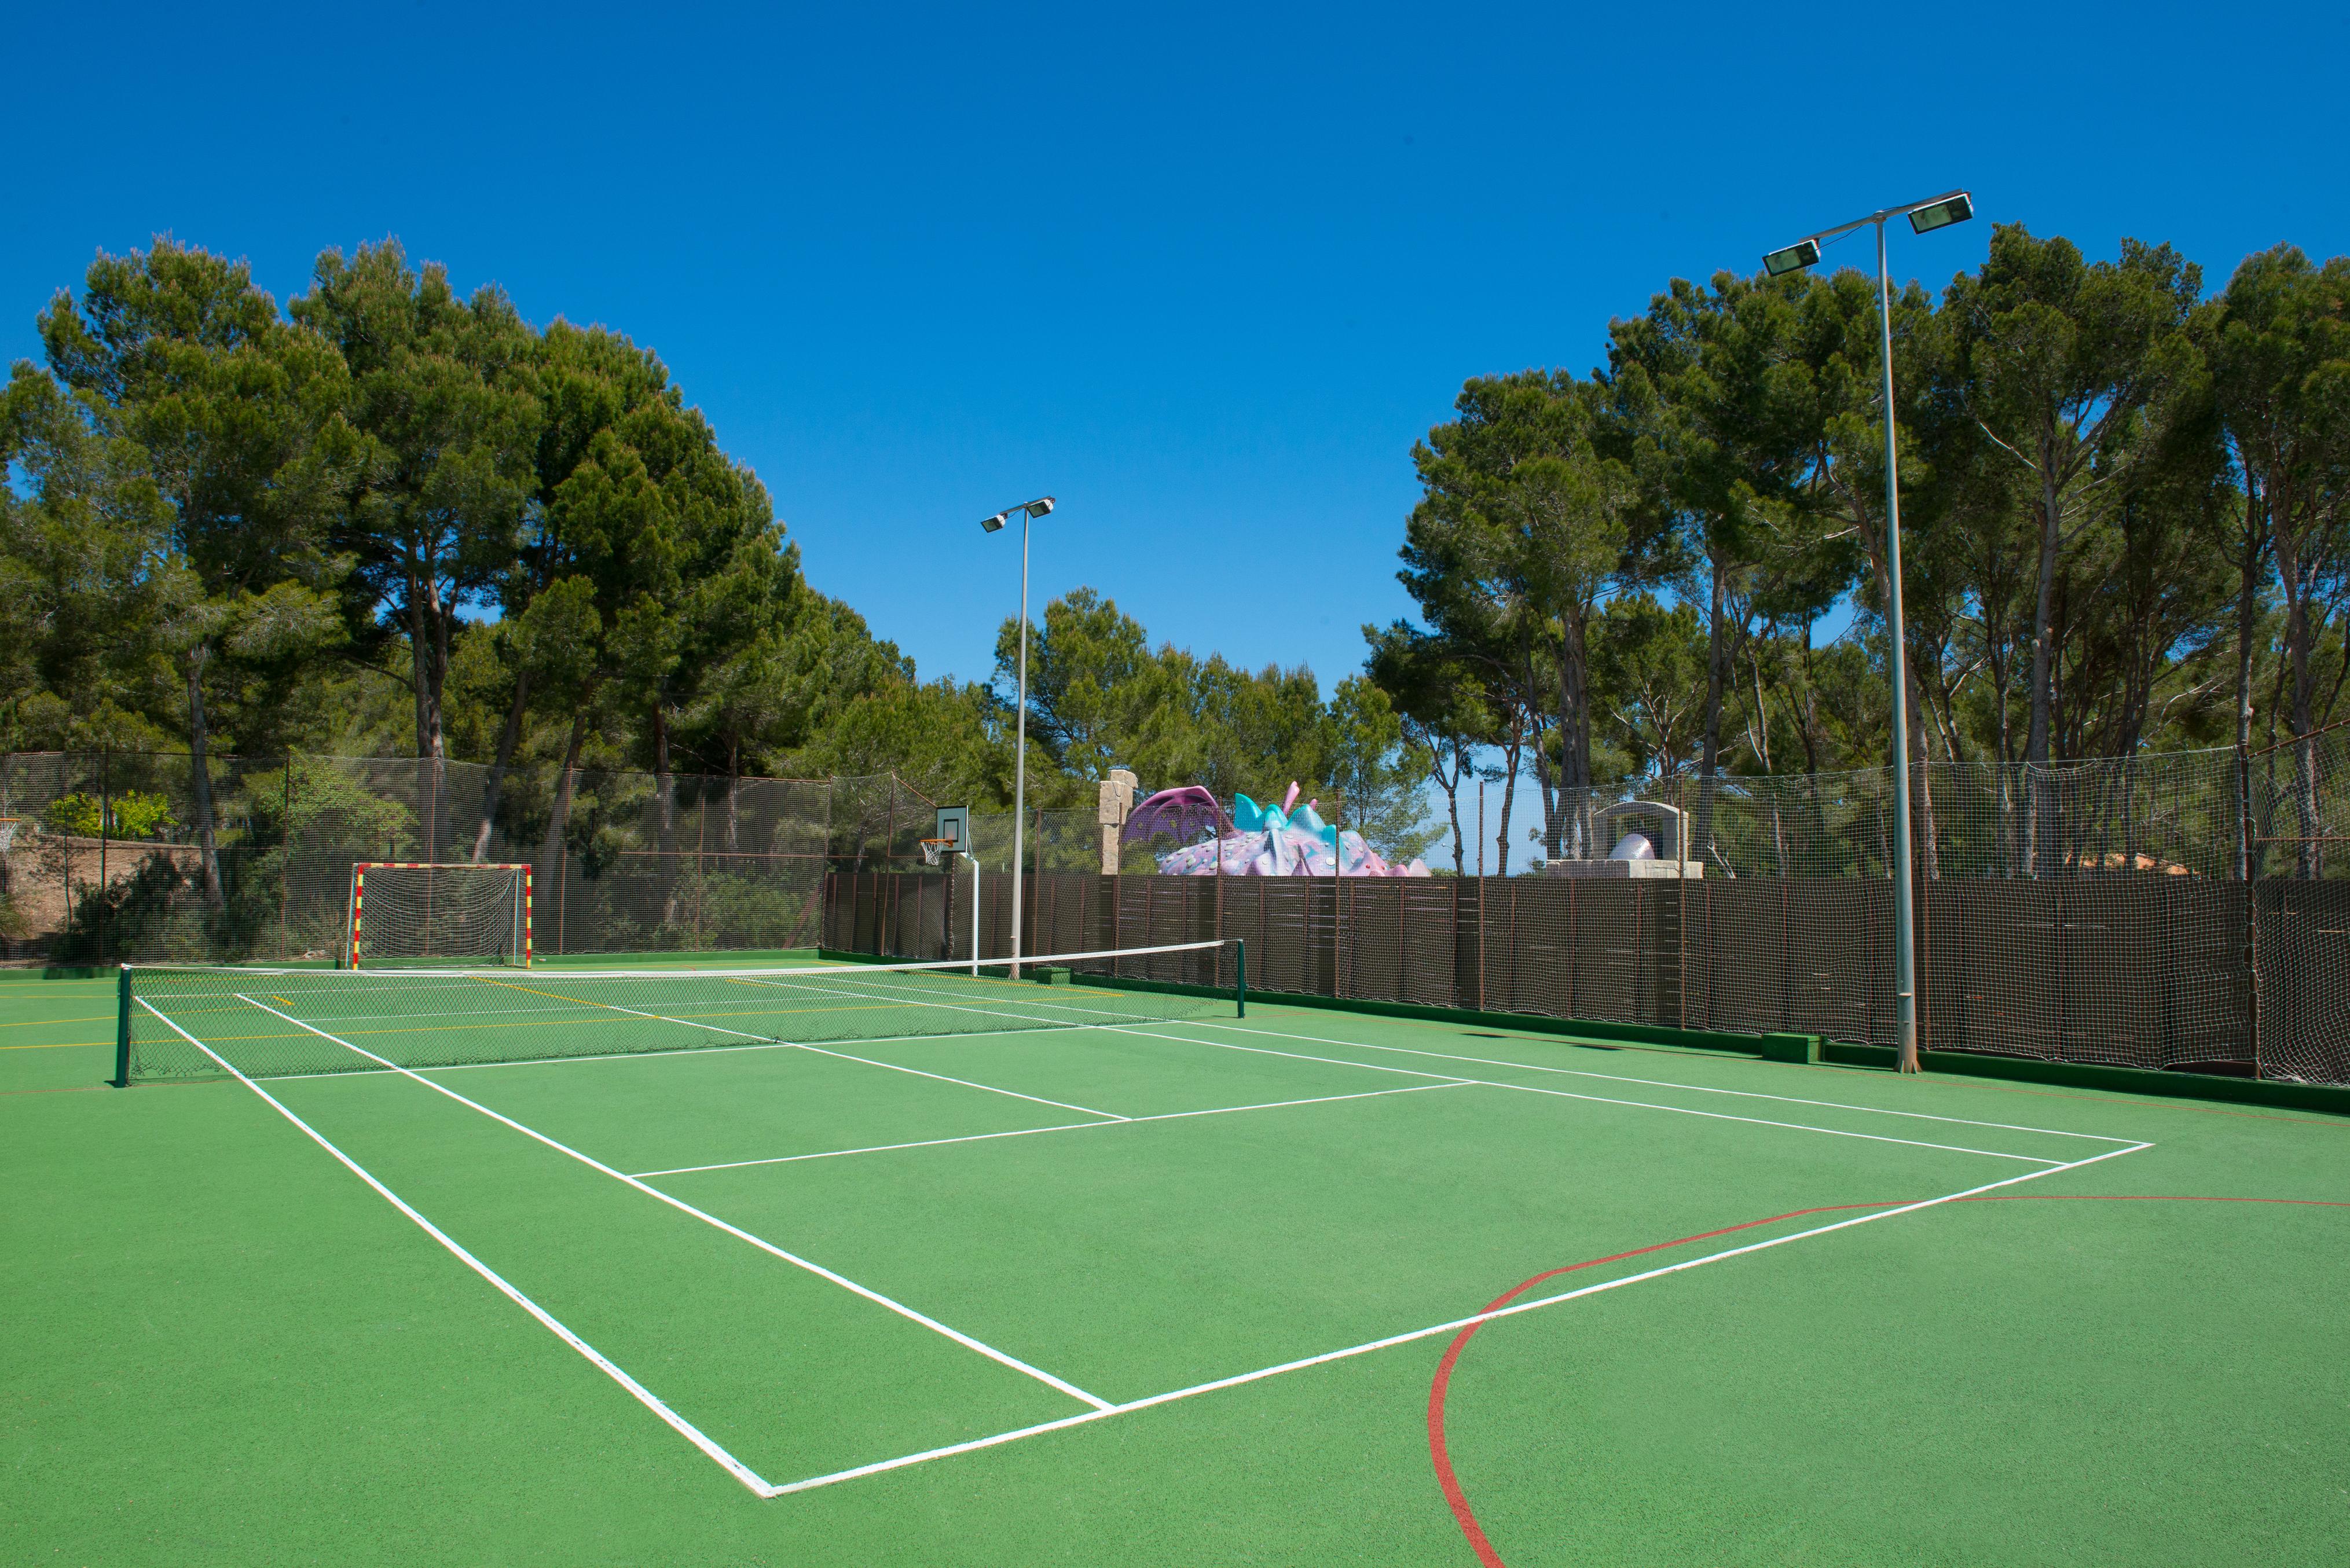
1205	275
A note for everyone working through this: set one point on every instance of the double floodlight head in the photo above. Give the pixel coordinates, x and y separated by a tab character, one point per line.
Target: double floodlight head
1036	508
1939	212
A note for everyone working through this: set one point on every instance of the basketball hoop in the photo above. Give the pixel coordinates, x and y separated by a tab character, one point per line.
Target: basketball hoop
933	848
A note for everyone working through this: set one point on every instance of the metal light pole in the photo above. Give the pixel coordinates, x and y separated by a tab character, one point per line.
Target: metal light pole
1029	510
1935	212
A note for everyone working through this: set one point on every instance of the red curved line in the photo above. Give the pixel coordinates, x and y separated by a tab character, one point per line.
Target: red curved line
1450	1482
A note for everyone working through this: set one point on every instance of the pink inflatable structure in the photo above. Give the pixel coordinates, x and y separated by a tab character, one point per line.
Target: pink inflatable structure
1284	840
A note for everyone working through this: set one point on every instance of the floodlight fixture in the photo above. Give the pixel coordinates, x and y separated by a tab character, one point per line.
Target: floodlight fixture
1794	258
995	523
1954	208
1036	508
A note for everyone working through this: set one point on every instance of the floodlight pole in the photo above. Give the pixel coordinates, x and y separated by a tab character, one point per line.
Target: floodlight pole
1904	939
1938	211
1029	512
1019	754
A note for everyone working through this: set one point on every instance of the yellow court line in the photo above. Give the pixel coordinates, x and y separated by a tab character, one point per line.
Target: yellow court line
493	980
37	1023
59	1046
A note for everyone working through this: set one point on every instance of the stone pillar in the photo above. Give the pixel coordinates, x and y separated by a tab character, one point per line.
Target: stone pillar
1116	803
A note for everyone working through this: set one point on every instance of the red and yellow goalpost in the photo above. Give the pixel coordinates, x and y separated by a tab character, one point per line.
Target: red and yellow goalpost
515	928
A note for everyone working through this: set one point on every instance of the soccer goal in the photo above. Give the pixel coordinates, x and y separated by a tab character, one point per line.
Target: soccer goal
417	912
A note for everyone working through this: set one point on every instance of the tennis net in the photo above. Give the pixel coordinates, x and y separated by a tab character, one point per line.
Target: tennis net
183	1021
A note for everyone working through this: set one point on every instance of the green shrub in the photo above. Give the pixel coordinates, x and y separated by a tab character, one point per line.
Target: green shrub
131	815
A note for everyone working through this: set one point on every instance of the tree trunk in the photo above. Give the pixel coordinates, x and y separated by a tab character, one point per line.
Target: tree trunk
1921	793
199	776
558	822
1512	750
1574	727
1452	812
2035	744
509	738
1717	687
665	809
1810	730
2294	574
1763	749
1717	665
428	639
733	794
664	786
2248	610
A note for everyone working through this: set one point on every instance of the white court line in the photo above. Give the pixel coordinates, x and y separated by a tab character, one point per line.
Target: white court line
1047	1003
1595	1099
811	1482
989	1012
1652	1083
966	1083
643	1396
585	1001
900	1308
1065	1127
660	1053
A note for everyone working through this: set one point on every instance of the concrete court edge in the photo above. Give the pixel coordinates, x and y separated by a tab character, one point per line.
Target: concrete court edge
1803	1048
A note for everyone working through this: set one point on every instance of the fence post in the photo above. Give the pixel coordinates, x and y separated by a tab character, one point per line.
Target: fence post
105	822
2244	831
286	865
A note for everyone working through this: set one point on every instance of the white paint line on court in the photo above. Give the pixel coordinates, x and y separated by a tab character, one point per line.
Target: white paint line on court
1065	1127
966	1083
1051	1004
900	1308
1652	1083
608	1006
1103	1018
1454	1326
638	1391
1594	1099
663	1054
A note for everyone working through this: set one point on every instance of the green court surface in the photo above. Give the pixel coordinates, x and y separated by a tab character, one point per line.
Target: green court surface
1185	1289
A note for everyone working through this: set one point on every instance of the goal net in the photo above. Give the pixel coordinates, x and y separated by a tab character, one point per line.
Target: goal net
410	912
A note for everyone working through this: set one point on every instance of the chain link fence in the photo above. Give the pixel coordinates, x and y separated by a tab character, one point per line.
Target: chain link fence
114	856
2187	911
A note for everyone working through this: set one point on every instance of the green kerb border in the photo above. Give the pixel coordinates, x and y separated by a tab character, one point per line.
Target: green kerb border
1804	1048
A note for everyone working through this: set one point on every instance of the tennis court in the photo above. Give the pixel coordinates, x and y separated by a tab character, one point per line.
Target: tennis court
917	1264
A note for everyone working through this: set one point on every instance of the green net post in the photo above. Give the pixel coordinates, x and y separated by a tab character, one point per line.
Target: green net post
121	1079
1240	982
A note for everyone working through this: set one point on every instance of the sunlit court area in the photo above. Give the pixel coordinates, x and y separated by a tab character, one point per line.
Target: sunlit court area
700	1263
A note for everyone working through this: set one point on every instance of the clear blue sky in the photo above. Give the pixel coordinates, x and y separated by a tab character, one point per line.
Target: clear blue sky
1205	275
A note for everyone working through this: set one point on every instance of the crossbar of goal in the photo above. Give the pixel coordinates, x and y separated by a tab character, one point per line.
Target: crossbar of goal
517	920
